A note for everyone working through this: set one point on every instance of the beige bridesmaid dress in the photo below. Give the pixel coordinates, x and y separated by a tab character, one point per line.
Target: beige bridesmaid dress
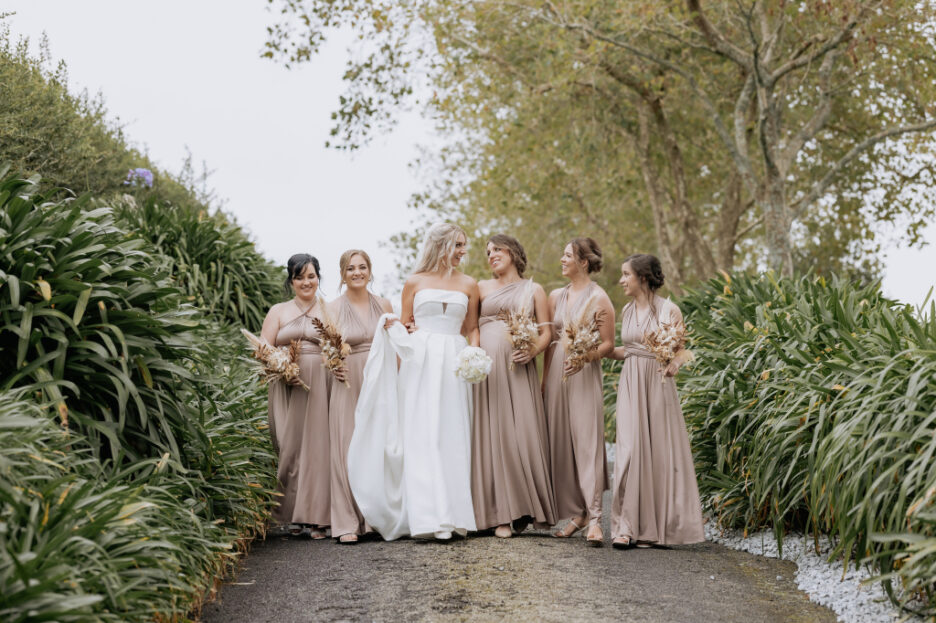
510	476
299	427
358	332
575	420
656	498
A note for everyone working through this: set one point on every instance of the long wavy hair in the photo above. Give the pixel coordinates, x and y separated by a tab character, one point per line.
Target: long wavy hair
438	248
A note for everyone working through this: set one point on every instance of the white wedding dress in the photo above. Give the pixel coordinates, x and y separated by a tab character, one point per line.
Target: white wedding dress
409	462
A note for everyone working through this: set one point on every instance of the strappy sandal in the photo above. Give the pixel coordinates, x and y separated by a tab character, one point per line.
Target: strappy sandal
295	529
621	542
317	534
348	539
591	539
565	533
644	545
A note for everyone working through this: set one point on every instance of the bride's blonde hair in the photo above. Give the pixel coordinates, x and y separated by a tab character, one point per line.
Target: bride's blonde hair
438	249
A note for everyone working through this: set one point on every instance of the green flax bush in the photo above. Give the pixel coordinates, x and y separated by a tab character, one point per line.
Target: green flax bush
812	406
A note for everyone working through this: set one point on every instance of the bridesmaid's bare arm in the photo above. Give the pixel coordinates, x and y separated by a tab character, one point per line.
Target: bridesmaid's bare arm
541	313
683	356
605	328
271	324
547	358
470	326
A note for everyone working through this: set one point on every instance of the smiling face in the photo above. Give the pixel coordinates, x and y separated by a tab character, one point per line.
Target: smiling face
571	265
499	258
629	280
461	248
357	273
305	285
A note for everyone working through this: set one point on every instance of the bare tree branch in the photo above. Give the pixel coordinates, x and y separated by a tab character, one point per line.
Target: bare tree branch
822	185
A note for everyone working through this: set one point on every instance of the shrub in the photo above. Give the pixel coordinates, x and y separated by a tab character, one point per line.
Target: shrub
812	406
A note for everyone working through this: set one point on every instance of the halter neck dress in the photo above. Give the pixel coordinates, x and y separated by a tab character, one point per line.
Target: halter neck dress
510	476
358	332
656	498
575	420
299	427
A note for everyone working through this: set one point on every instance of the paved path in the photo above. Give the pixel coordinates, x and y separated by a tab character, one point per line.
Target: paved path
531	577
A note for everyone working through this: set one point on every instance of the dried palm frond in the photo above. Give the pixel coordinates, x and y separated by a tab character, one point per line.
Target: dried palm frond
580	333
276	363
334	349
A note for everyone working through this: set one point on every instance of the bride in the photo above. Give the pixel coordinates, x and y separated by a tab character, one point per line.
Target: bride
409	462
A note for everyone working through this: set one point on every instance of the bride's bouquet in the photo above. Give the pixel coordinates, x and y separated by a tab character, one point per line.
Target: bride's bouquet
665	343
472	364
581	335
522	330
334	349
276	363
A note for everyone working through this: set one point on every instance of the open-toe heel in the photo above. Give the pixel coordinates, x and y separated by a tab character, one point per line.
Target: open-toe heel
621	542
595	537
569	530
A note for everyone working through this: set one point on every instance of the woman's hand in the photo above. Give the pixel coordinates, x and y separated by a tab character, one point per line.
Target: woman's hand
570	368
671	369
411	326
522	357
341	374
389	322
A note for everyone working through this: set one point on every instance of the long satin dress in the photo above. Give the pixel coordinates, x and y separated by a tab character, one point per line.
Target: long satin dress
510	447
299	426
656	498
358	332
575	420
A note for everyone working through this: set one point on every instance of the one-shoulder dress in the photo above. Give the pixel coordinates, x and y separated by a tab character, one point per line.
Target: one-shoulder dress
510	476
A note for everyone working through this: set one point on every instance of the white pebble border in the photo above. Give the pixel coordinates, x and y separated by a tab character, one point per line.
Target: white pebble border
823	581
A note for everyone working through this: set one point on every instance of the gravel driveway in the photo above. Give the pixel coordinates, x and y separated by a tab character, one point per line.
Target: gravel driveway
531	577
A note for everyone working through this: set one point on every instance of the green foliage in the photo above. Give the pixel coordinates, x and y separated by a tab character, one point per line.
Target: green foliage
134	451
211	259
812	406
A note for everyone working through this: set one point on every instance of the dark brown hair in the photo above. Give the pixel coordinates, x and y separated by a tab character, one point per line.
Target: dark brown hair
513	247
587	249
297	265
648	269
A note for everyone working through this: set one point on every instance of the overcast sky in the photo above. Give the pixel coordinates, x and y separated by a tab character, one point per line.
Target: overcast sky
188	73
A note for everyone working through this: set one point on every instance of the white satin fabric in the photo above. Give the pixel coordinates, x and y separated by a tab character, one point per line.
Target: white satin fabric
409	463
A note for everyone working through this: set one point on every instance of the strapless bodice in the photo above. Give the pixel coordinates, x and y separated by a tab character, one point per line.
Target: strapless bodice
440	311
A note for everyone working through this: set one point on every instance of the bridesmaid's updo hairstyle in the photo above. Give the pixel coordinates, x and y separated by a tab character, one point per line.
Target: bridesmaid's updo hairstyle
438	249
513	247
345	260
587	249
648	269
297	265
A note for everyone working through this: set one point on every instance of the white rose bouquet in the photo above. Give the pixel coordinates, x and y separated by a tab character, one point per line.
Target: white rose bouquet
473	364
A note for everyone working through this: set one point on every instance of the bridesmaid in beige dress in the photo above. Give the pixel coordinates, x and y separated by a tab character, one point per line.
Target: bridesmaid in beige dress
357	313
299	417
656	499
510	479
574	406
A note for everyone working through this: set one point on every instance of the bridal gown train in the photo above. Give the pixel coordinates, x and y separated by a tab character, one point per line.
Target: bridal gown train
409	462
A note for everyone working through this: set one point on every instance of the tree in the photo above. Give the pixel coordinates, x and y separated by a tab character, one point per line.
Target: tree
762	132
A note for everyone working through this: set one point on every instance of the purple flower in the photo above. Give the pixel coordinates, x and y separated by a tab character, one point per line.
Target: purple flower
139	176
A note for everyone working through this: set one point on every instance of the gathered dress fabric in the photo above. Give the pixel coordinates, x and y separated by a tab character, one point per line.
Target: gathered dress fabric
656	497
299	428
409	461
575	420
510	476
357	332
